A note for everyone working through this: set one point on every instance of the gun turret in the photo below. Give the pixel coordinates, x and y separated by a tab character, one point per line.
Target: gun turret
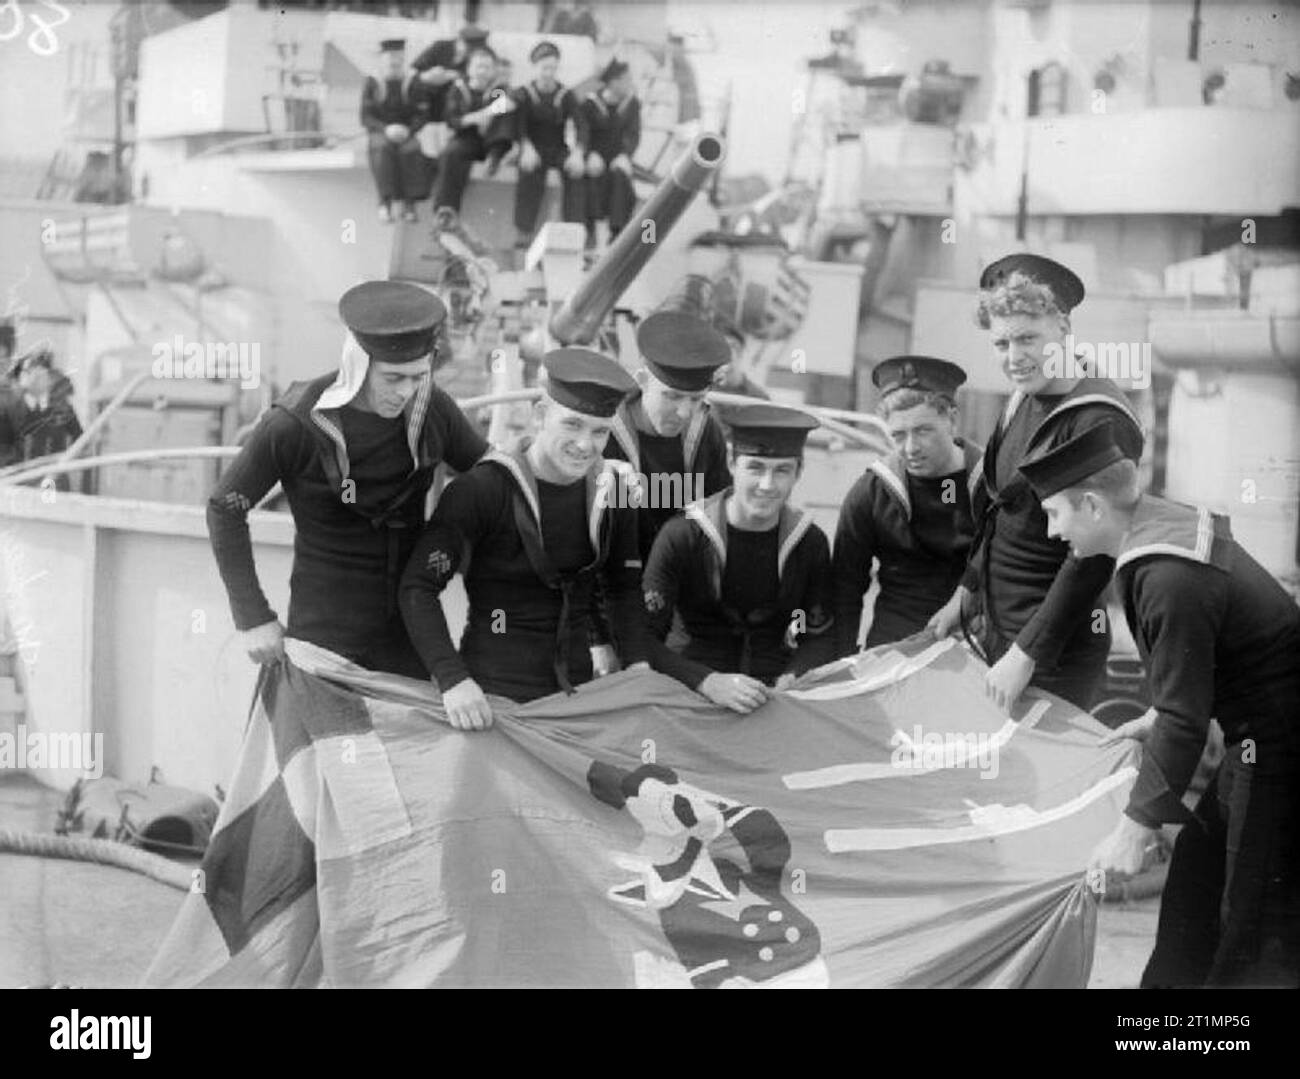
577	322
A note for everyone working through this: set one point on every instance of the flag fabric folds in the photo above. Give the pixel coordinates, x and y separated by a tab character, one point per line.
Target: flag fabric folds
882	824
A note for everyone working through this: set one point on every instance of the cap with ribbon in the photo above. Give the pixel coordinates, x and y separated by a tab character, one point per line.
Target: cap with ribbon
1073	462
681	350
392	44
918	373
542	50
765	430
586	381
1064	282
392	321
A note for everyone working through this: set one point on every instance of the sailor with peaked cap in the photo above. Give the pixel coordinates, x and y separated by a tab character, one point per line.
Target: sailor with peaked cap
547	108
611	118
355	453
445	61
1219	638
910	509
394	107
665	430
534	532
1040	604
742	568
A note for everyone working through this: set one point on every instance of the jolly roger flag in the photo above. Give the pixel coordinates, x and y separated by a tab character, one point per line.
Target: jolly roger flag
881	825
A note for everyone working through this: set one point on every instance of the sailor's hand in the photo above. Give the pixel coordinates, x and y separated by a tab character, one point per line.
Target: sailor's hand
738	692
948	617
1008	677
622	164
466	707
438	76
595	164
397	132
264	643
604	660
573	165
1138	729
529	159
785	681
1123	852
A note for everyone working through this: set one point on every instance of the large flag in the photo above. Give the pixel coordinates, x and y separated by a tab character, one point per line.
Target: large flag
883	825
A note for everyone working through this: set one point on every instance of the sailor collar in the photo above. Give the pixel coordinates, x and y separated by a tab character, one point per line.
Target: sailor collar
893	473
599	478
710	515
1174	530
625	430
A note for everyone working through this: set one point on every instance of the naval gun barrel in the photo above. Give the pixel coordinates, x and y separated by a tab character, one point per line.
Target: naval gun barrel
577	322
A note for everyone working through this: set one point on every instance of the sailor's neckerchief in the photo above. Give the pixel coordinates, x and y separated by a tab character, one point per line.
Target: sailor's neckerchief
1161	528
354	365
893	472
606	107
624	429
1087	391
535	93
599	480
710	516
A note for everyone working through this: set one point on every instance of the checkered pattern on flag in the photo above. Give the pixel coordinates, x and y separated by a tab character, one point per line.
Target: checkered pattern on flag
880	825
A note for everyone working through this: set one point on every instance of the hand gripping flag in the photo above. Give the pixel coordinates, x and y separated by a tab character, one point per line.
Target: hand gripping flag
883	824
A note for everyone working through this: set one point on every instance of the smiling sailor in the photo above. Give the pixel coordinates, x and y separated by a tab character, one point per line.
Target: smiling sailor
534	532
355	453
1038	600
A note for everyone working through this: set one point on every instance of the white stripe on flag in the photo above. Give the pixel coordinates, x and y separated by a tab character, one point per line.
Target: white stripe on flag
953	756
993	821
903	668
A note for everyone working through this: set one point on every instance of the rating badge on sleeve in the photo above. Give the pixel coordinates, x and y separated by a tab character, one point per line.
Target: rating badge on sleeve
438	563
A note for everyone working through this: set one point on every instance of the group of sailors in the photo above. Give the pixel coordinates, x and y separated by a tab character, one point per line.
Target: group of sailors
739	593
589	141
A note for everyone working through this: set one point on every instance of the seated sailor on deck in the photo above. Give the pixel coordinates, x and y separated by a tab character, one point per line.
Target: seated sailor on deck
393	108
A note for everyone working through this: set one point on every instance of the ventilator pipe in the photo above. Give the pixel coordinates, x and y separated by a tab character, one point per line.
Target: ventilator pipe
577	322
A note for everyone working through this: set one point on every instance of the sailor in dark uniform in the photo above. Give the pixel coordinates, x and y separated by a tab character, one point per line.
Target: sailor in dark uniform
476	112
1220	639
546	109
1042	625
910	509
666	430
744	570
532	533
355	453
392	112
612	121
444	62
